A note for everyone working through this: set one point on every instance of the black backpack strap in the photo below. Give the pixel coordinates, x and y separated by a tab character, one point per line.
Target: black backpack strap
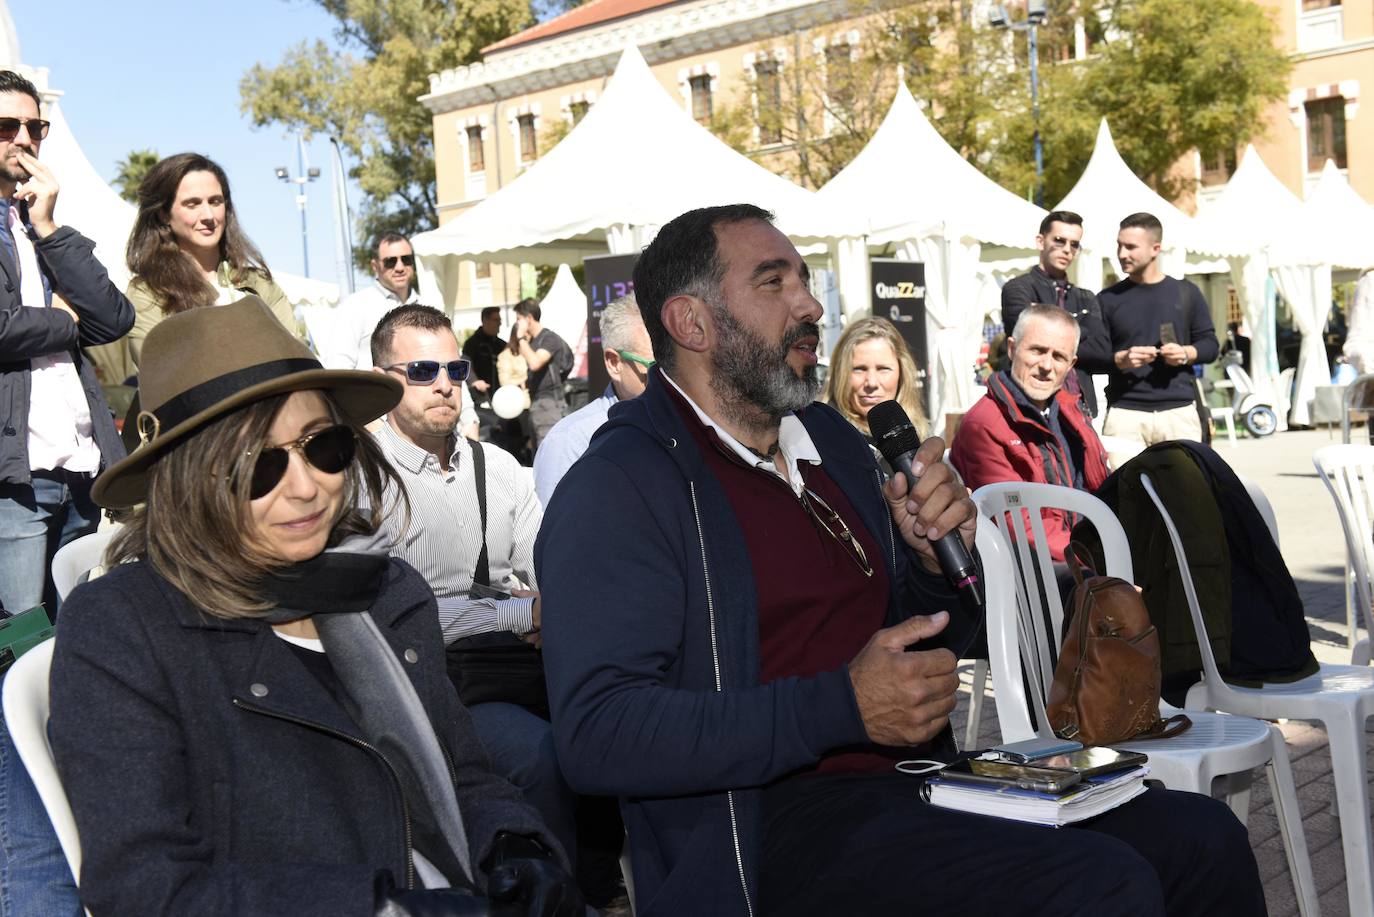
481	575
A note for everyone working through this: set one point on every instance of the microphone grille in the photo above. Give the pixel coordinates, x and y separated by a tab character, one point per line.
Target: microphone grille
892	430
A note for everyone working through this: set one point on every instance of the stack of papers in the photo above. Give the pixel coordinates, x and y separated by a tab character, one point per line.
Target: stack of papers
1090	798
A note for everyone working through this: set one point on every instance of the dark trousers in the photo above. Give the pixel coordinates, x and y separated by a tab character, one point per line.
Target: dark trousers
866	844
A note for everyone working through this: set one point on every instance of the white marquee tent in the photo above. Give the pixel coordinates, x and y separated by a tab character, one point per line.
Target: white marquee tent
634	162
1247	224
564	308
1107	191
1335	228
911	189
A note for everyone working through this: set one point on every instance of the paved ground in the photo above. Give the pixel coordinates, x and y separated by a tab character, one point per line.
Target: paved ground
1314	549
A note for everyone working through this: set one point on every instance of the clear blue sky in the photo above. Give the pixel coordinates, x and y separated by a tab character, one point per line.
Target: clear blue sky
164	74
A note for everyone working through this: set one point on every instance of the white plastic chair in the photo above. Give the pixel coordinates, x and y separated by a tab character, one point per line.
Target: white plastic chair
77	558
1348	473
1215	746
1266	509
26	714
1340	697
1227	414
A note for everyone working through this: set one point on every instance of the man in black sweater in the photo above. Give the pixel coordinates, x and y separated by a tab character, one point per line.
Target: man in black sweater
1060	238
1159	328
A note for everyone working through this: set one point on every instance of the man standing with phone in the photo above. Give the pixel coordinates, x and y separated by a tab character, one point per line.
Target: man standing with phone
1160	328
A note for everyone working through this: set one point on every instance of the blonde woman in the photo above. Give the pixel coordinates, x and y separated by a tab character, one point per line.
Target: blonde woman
872	364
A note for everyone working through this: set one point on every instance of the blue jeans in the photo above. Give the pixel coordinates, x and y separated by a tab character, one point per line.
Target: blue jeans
35	520
35	880
520	746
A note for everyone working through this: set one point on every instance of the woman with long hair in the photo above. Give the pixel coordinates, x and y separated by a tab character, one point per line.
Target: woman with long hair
251	712
872	364
187	249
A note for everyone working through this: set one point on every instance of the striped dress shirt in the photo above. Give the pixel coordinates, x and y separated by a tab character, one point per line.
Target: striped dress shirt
444	536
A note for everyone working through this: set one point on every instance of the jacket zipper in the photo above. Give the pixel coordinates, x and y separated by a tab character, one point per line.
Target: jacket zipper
715	662
366	746
891	526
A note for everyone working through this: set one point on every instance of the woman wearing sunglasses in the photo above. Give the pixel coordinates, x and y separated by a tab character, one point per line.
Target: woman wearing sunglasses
250	712
187	249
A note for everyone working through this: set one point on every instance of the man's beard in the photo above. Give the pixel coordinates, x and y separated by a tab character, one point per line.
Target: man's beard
751	377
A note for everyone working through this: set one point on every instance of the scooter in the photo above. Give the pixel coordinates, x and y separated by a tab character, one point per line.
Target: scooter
1254	411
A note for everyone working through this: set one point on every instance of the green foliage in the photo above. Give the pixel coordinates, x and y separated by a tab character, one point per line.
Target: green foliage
132	169
366	96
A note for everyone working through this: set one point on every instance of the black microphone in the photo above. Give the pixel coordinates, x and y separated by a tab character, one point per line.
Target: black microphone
898	441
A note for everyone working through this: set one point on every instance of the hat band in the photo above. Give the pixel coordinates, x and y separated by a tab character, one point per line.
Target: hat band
211	392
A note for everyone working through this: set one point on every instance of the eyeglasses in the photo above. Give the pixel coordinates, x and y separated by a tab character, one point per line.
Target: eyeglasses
387	263
636	358
835	527
423	372
330	450
1061	242
37	128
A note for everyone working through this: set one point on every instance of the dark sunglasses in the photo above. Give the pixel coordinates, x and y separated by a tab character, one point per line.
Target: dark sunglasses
389	263
422	372
37	128
330	450
833	525
1061	242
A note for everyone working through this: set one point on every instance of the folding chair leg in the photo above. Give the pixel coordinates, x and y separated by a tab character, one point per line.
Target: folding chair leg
975	706
1280	773
1238	794
1346	736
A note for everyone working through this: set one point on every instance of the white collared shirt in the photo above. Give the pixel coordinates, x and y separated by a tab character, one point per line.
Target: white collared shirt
794	443
356	318
61	434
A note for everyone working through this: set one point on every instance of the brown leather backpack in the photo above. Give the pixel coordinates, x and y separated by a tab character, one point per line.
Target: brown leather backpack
1106	685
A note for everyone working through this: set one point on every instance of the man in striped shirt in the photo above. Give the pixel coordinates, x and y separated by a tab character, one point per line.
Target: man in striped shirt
446	541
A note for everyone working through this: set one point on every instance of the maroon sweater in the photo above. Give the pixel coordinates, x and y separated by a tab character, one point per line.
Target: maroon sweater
817	609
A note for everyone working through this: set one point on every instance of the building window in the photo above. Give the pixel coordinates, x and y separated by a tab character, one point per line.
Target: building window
529	146
839	74
578	110
1318	4
477	157
482	270
1325	133
768	92
1218	168
701	97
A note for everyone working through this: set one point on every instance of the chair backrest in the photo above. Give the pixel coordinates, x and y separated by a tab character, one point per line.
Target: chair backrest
1209	661
26	714
77	558
1017	508
1359	396
1348	472
1262	504
1003	626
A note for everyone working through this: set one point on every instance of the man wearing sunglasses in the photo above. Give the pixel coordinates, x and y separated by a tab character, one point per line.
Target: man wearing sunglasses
1059	241
56	433
394	267
628	354
473	520
745	630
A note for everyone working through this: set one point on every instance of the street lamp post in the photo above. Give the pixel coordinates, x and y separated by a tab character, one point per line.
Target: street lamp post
1037	12
304	175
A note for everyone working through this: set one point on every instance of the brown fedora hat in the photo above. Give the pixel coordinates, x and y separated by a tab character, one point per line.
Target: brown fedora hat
203	363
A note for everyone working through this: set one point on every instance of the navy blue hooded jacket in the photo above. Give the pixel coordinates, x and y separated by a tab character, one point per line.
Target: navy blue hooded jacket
651	651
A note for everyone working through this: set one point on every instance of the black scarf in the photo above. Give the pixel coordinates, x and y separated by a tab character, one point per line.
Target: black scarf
335	589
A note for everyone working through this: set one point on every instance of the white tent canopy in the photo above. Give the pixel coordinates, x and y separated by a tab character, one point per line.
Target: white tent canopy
1334	229
1108	191
1246	223
564	308
908	186
632	164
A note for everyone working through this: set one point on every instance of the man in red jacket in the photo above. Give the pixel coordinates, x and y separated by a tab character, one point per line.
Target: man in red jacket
1027	428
